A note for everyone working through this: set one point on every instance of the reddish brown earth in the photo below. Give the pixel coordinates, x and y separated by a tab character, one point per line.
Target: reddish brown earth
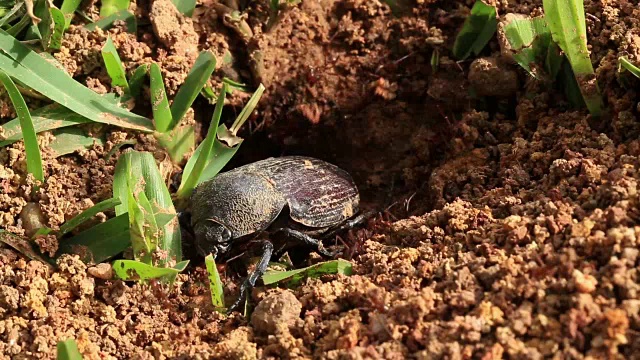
508	223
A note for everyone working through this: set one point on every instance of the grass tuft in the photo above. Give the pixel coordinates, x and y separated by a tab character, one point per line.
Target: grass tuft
32	150
477	30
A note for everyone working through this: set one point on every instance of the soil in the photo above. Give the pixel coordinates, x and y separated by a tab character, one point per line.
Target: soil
508	221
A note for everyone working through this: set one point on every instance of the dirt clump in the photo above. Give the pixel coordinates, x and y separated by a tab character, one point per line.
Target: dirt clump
280	308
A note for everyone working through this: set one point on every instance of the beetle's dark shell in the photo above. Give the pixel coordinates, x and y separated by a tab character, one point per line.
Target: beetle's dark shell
319	194
244	201
249	198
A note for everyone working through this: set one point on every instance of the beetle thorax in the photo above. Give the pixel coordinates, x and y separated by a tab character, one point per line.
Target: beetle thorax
244	202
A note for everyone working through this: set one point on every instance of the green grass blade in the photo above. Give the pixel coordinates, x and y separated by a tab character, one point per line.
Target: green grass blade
70	140
143	166
220	157
196	164
114	66
52	28
130	270
247	110
87	215
159	102
195	81
566	20
46	118
12	14
136	82
624	63
17	28
39	74
32	150
106	23
178	142
68	8
294	277
110	7
477	30
68	350
215	284
100	242
186	7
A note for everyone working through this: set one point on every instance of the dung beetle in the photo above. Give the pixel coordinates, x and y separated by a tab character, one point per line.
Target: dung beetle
302	198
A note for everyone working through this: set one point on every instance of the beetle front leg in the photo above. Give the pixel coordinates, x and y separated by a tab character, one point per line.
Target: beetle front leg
250	281
308	240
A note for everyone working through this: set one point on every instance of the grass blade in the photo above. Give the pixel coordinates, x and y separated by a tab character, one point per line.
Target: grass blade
106	23
566	20
110	7
13	14
624	63
196	164
178	142
195	81
159	102
114	66
87	214
46	118
129	270
477	30
52	28
215	284
142	165
68	8
70	140
100	242
68	350
186	7
221	155
37	73
136	82
294	277
32	150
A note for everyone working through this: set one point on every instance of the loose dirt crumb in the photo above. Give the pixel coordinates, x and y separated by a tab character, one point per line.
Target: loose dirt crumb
275	309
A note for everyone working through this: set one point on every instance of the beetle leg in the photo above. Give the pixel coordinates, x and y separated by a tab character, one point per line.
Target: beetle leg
308	240
250	281
349	224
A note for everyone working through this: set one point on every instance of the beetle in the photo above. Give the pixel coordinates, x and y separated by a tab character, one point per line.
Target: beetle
303	198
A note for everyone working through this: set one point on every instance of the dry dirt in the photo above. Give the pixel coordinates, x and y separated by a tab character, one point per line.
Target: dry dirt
508	224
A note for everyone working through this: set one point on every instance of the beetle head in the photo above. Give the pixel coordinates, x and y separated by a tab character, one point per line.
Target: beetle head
212	236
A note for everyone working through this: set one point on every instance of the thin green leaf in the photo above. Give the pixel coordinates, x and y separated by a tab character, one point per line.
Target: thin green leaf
624	63
100	242
159	102
143	166
197	164
106	23
52	28
186	7
114	66
68	8
196	79
68	350
178	142
566	20
110	7
19	26
37	73
46	118
221	155
477	30
12	14
87	215
137	80
215	284
130	270
294	277
32	150
22	245
70	140
247	110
